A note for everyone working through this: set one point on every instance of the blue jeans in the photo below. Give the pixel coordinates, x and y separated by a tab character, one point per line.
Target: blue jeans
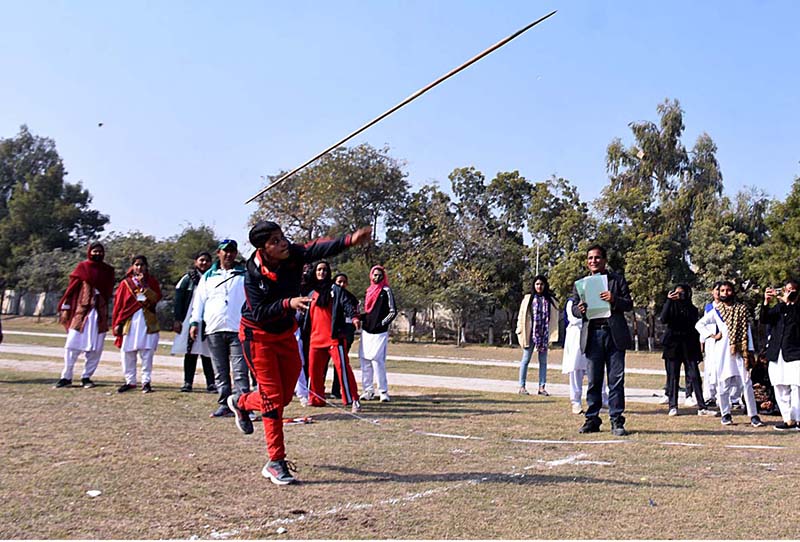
603	357
527	353
226	355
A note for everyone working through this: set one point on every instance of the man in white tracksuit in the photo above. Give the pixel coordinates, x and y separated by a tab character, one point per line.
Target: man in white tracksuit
216	313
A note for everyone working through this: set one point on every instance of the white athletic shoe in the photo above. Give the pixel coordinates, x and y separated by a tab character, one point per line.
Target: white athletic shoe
690	401
303	402
577	408
384	397
367	396
356	408
664	400
672	412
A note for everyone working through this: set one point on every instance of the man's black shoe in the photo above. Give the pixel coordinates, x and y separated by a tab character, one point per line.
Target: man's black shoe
87	383
618	429
591	425
186	388
63	383
727	419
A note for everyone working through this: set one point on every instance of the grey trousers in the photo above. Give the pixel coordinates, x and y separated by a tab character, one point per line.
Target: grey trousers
226	355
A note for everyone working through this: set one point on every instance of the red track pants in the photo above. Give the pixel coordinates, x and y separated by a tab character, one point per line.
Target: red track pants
318	363
275	362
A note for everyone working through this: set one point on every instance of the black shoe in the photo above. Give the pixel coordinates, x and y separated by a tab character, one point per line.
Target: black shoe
711	402
63	383
126	387
186	388
591	425
222	412
618	429
211	389
727	419
146	388
278	472
783	426
755	421
87	383
243	421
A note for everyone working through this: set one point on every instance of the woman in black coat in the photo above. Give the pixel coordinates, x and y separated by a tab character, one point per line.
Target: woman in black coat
681	345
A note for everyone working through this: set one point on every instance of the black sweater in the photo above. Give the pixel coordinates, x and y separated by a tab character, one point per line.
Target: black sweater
383	312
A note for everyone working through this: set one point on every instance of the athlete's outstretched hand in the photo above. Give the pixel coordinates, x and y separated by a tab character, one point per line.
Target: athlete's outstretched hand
362	236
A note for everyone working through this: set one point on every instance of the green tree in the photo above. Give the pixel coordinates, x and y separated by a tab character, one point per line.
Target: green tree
182	248
778	257
39	211
48	271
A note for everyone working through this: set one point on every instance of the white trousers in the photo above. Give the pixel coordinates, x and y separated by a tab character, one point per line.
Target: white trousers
788	399
371	367
129	365
727	387
709	380
576	387
92	361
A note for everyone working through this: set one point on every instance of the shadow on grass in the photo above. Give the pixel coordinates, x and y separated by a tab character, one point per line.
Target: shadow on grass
368	477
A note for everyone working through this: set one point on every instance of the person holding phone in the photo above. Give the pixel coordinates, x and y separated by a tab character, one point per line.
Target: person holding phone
783	350
681	344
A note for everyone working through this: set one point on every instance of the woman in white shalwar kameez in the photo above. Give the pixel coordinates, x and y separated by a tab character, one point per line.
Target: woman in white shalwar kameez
574	362
135	324
731	370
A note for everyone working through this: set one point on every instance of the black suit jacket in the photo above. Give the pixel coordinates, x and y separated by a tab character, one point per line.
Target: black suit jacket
784	322
616	322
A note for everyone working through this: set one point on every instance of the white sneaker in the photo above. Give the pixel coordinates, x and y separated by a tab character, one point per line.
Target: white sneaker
384	397
664	400
367	396
303	402
356	407
672	412
706	412
577	408
690	401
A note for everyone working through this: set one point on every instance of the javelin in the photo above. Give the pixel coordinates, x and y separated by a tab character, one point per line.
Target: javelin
414	96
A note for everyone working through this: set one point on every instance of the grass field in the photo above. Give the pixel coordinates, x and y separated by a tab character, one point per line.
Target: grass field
437	464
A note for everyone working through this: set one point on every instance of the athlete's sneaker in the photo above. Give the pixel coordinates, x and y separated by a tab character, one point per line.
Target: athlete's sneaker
303	402
63	383
672	412
755	421
87	383
278	472
706	412
126	387
367	396
618	428
523	391
577	408
385	397
356	406
243	421
186	388
727	419
147	388
591	425
664	400
690	401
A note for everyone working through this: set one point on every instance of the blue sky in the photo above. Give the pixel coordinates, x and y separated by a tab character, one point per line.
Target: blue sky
200	99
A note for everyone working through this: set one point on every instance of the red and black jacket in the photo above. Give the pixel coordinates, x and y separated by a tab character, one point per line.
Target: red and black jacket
267	296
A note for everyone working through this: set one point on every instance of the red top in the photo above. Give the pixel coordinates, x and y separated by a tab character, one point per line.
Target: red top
320	324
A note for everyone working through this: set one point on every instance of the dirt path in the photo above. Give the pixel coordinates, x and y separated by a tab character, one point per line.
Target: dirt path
169	370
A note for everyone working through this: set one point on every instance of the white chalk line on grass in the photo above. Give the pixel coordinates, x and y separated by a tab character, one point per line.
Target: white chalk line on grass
544	441
576	459
688	444
755	446
446	435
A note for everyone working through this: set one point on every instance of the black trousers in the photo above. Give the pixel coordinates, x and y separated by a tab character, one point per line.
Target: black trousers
190	366
693	380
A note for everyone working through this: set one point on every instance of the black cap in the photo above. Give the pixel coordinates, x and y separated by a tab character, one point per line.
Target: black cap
261	231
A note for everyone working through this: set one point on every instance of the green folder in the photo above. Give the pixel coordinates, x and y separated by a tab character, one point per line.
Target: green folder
589	289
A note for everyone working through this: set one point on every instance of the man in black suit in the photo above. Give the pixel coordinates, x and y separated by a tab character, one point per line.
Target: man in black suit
604	341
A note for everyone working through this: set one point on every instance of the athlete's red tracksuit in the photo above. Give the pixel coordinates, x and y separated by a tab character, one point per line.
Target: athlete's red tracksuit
267	334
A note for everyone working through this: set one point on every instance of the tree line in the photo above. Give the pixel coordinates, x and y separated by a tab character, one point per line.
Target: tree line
470	247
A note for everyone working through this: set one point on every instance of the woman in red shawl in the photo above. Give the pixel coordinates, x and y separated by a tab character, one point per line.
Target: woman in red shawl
84	314
135	324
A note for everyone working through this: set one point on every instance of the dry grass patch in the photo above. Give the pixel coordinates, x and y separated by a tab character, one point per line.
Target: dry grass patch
168	471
